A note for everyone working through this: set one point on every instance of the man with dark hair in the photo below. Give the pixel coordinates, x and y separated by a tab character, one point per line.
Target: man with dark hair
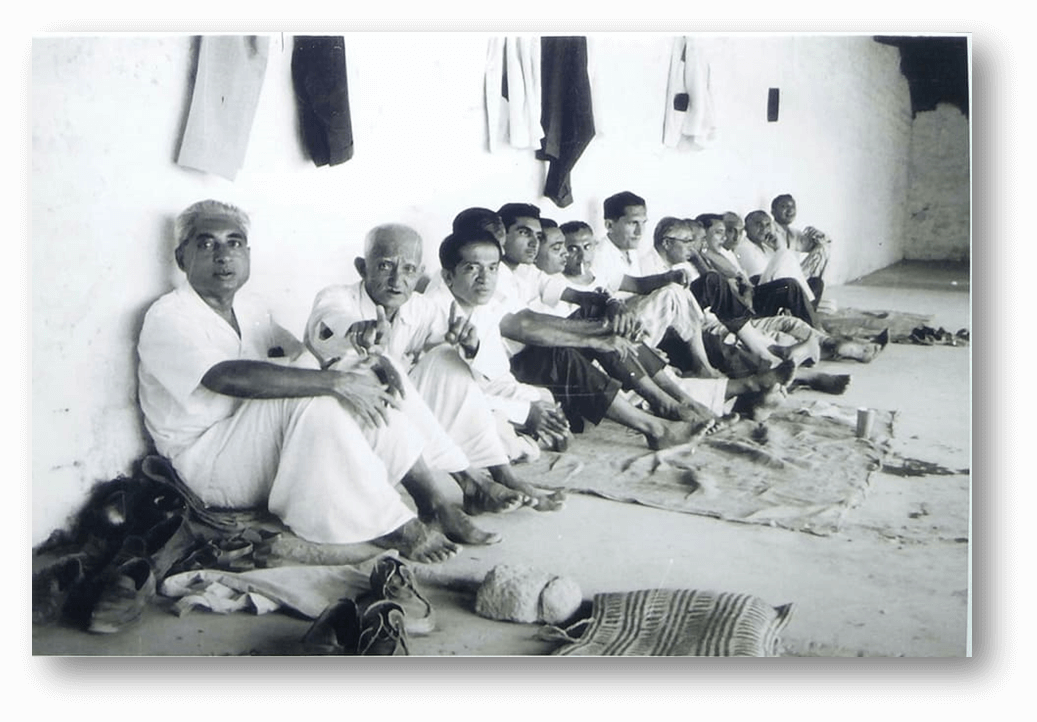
549	358
248	419
811	246
618	266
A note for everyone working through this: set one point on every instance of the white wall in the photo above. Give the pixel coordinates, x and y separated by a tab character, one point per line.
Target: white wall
939	186
107	115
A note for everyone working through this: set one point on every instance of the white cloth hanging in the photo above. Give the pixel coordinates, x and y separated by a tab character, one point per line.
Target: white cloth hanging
514	120
689	79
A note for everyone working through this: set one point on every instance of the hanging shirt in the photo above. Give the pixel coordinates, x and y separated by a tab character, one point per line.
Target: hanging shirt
689	100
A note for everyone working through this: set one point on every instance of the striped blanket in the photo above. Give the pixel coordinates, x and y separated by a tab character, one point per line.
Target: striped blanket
680	622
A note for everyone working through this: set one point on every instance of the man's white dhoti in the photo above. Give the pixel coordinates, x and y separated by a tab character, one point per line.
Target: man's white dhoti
310	463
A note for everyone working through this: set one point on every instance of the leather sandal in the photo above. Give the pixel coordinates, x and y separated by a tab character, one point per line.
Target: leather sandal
127	590
394	581
382	630
336	631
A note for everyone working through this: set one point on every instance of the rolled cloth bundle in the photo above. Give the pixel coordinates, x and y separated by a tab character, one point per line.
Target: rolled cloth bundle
522	594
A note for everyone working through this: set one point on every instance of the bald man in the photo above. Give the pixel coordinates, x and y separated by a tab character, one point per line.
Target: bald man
382	311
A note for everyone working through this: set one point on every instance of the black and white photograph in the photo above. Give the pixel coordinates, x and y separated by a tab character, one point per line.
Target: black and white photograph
502	344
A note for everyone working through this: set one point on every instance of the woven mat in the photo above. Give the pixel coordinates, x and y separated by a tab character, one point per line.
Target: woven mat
858	323
802	470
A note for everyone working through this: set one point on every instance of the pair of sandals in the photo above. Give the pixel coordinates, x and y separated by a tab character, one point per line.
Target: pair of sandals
928	336
251	549
378	622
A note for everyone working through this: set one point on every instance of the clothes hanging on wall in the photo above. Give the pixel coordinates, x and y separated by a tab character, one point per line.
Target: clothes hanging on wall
566	114
512	88
223	104
689	102
322	97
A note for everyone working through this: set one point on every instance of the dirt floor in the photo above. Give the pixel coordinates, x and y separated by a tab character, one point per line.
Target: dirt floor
893	582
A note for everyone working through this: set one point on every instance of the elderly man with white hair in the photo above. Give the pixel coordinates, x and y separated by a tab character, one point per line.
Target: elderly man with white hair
248	418
382	312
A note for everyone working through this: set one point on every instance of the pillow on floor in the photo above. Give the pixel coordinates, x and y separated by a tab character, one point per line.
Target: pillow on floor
680	622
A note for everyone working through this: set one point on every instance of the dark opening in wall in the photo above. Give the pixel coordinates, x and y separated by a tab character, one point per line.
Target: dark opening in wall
936	68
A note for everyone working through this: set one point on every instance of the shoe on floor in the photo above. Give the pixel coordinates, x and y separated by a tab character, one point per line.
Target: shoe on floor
382	630
127	590
335	632
393	580
51	587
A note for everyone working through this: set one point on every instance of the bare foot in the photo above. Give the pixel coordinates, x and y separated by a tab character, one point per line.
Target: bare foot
826	383
549	500
492	498
675	433
459	528
417	542
486	496
532	497
863	351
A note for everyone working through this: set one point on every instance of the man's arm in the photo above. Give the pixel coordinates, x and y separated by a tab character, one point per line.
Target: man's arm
366	388
643	285
539	329
620	319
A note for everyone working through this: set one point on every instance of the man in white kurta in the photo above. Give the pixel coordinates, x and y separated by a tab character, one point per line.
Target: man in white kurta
383	310
229	397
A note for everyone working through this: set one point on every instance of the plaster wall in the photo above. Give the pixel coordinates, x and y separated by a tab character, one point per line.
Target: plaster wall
108	114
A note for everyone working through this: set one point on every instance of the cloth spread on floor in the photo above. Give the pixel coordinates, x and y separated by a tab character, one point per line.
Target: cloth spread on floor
566	113
689	101
863	324
322	97
307	590
678	622
223	104
803	469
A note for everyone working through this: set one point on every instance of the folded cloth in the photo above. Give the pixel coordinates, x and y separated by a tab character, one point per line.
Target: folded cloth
308	590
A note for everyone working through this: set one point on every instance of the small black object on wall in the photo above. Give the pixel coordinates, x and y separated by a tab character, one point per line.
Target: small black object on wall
772	105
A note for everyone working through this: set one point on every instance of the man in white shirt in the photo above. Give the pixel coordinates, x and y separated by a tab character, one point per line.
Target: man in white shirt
617	264
777	278
550	358
383	312
248	419
811	246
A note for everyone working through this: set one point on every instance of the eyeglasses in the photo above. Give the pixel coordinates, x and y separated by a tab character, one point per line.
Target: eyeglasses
679	240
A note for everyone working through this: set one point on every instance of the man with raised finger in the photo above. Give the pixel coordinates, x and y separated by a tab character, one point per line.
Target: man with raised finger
381	311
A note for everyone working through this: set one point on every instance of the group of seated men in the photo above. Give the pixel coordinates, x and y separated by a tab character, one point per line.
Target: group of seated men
530	331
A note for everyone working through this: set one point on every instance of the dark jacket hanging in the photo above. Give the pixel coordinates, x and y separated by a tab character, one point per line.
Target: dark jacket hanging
322	95
566	113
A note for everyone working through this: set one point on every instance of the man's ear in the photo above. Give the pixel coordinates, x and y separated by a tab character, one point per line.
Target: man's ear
448	276
178	254
361	267
608	224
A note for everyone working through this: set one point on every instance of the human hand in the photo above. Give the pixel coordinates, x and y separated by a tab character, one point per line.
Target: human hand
368	336
363	393
462	332
621	320
547	419
678	276
625	347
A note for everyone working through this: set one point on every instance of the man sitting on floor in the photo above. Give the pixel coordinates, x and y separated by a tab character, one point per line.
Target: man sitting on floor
673	246
248	419
617	265
645	370
549	357
382	311
811	246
